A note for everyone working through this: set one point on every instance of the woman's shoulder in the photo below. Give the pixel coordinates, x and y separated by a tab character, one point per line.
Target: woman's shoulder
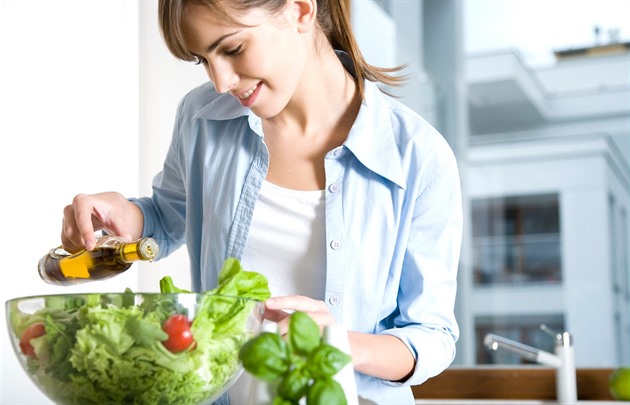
425	154
409	128
411	122
394	141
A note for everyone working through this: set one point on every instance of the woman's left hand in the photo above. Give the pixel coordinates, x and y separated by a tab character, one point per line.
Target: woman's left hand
278	309
381	356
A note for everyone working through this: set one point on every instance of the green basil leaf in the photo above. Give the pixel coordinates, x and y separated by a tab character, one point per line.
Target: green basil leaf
265	356
326	361
294	384
326	391
303	333
282	401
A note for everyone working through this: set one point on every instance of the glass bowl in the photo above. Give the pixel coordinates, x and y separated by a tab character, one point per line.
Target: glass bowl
132	348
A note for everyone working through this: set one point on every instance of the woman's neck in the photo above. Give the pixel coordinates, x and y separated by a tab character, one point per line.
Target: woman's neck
327	98
317	120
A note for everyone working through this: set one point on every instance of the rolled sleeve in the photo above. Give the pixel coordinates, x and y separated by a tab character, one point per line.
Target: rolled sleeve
426	322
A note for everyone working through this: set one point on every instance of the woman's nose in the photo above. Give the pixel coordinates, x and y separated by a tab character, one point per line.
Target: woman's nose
222	76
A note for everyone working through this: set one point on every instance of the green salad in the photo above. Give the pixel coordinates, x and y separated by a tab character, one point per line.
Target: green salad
110	349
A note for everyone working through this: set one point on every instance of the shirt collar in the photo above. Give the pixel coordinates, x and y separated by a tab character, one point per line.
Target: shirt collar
226	107
372	139
222	108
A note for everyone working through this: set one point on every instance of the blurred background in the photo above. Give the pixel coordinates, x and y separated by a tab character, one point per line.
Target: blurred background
533	97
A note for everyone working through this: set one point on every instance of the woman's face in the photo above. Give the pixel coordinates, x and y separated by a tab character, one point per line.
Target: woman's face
261	64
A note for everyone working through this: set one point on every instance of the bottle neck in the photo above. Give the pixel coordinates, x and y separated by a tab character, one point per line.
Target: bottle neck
144	249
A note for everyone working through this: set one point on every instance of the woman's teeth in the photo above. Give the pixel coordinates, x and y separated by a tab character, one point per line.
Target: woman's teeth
248	93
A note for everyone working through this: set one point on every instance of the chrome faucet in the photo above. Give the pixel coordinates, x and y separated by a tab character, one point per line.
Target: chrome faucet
563	360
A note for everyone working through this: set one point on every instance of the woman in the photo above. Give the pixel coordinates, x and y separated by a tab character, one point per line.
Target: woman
292	160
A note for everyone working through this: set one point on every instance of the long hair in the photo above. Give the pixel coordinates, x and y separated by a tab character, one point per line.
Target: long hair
333	18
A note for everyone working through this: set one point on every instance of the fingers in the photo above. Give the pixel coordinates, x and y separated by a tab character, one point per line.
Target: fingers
296	303
71	238
85	216
276	315
279	309
92	212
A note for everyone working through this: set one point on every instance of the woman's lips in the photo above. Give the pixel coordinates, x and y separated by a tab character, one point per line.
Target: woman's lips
248	93
247	99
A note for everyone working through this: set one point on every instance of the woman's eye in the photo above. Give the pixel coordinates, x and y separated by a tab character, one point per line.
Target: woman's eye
234	51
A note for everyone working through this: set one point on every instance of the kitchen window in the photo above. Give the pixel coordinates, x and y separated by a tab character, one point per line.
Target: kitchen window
516	240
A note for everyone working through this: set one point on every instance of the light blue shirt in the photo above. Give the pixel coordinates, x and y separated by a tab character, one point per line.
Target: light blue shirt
393	219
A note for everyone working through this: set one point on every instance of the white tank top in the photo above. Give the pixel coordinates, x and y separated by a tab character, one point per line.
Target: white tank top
286	243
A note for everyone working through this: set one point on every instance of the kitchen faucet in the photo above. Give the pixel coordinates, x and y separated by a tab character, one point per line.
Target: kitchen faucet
563	360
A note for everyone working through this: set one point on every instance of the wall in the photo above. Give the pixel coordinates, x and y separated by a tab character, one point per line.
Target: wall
164	80
68	124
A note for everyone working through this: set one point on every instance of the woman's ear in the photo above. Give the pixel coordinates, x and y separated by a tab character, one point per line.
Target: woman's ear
303	13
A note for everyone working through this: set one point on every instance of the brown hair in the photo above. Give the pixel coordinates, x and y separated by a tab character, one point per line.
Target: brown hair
333	18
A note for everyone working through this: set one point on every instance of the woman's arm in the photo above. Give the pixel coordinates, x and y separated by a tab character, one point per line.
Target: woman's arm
381	356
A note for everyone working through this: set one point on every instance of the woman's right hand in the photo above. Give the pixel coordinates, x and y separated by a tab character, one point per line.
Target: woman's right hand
108	211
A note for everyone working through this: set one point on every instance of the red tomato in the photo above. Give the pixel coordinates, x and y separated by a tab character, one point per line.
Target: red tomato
179	337
32	332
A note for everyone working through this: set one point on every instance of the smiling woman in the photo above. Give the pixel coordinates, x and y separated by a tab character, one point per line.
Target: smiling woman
293	76
68	103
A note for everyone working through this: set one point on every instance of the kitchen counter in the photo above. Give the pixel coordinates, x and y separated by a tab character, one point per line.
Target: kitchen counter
510	385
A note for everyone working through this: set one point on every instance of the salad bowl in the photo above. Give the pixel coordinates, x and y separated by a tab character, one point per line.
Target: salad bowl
132	348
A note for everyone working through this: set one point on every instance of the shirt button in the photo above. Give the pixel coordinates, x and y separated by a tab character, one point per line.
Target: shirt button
334	188
338	151
334	300
335	244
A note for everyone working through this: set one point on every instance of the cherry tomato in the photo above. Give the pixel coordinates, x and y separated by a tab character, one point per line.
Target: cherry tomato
32	332
179	337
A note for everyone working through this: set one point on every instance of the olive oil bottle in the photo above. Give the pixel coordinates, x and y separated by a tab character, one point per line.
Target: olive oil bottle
111	256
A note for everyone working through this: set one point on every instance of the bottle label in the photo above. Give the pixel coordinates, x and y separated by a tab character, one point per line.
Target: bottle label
110	257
